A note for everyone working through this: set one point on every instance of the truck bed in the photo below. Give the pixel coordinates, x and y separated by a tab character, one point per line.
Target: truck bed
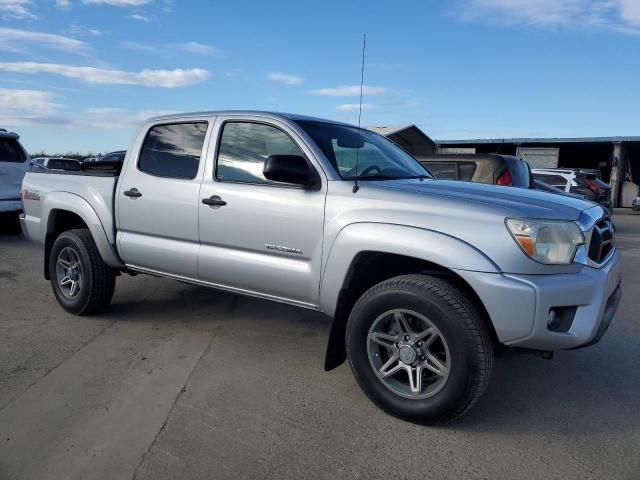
95	184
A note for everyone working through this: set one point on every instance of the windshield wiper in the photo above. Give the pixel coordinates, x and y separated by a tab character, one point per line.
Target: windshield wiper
421	177
375	177
382	176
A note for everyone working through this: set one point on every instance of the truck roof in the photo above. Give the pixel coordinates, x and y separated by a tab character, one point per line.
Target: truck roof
257	113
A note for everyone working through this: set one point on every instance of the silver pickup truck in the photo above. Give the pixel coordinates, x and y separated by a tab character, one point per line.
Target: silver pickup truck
426	280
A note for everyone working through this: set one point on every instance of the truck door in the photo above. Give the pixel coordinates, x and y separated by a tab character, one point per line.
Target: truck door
157	199
259	236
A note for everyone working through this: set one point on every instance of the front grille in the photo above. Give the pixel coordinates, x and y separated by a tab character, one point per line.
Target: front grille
602	240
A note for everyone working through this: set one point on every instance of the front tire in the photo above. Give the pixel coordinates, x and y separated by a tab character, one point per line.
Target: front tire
418	349
82	283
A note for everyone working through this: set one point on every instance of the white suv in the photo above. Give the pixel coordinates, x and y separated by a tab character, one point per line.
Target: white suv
14	163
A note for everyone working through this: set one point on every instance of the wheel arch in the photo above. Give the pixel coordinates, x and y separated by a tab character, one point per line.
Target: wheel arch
65	211
371	253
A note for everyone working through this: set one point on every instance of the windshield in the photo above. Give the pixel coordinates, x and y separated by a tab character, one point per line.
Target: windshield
377	158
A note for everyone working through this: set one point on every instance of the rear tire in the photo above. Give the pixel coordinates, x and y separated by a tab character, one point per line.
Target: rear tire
82	283
443	342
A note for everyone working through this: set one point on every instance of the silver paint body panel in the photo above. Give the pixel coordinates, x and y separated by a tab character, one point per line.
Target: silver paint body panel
457	225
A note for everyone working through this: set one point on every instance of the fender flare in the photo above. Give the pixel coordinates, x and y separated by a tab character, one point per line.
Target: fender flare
73	203
443	250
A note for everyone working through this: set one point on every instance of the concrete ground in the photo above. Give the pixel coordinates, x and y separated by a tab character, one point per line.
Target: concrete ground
176	381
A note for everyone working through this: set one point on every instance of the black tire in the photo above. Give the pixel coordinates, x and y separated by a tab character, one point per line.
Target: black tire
469	345
98	279
10	224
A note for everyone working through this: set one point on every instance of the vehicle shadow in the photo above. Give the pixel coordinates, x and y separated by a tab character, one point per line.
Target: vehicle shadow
579	392
567	395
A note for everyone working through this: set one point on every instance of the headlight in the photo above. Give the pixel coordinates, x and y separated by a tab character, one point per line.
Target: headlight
552	242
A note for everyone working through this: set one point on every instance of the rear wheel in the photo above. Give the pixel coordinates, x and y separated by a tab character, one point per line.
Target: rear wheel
418	349
82	283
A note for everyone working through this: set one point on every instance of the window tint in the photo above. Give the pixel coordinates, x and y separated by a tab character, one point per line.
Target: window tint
173	150
113	157
245	146
10	151
466	171
555	180
443	171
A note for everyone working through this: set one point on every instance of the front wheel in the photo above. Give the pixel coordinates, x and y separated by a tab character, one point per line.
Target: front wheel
418	349
82	283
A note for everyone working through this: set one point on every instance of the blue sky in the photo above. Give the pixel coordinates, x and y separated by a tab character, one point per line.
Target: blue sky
79	75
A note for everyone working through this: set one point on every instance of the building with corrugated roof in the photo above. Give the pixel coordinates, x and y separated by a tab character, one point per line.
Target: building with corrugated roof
616	158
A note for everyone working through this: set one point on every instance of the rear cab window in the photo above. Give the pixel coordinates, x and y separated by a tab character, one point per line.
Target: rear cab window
11	151
173	150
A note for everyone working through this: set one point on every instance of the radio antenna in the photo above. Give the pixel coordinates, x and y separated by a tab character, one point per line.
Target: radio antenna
364	47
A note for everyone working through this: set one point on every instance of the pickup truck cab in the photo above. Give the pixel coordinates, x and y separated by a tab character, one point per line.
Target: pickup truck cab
424	279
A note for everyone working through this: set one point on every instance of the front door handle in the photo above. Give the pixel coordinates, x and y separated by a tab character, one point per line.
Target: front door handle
214	201
133	193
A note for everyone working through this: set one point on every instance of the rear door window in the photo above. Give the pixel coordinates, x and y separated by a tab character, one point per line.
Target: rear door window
173	150
10	151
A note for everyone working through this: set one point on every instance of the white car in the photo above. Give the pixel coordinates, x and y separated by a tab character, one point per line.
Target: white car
14	163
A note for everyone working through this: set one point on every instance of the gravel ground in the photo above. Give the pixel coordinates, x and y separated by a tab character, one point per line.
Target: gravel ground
176	381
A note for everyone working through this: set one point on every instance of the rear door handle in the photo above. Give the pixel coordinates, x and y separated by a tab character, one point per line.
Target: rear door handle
214	201
133	193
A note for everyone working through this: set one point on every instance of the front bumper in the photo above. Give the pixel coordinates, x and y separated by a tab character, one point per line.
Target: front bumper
519	305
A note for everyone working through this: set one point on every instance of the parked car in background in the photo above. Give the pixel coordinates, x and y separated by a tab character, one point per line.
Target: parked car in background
55	163
423	278
117	156
545	187
14	163
481	168
635	206
581	181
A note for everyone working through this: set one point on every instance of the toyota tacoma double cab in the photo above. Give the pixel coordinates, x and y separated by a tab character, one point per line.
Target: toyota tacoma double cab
425	279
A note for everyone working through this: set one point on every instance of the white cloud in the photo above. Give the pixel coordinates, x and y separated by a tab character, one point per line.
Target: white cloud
198	48
349	91
16	9
139	17
347	107
171	49
630	11
117	3
621	15
285	78
77	30
63	4
146	78
26	102
92	118
15	40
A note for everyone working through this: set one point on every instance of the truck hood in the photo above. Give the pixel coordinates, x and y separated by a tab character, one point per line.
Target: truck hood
513	201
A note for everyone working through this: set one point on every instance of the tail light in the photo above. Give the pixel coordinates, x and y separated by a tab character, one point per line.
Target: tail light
593	186
504	179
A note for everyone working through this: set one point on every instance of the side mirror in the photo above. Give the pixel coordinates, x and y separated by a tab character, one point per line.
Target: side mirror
289	169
